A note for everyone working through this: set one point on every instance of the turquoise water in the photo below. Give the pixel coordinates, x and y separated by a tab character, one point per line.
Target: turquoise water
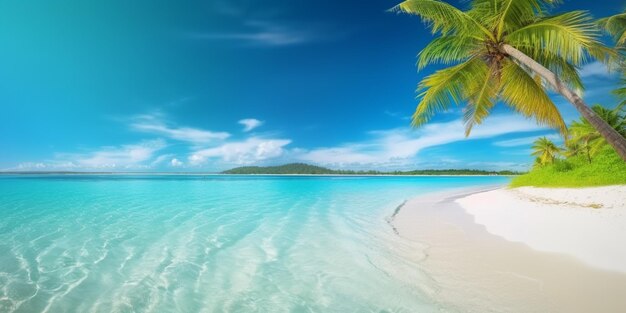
211	244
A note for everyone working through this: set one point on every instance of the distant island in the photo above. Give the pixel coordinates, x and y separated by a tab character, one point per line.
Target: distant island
286	169
307	169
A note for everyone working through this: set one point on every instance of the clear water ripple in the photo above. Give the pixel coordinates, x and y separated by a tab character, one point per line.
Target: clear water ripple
211	244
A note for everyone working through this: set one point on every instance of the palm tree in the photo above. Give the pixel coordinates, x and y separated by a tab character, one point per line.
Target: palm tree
584	134
575	148
507	50
616	26
545	150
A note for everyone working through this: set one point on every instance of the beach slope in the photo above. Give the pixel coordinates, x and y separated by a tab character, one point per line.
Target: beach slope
485	253
587	223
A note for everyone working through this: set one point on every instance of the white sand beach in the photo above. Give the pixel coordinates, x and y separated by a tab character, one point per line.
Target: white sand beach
587	223
501	258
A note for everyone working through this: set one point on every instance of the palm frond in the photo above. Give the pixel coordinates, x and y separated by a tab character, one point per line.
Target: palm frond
567	72
572	36
545	150
616	26
481	95
440	90
515	13
583	133
503	16
485	11
525	95
448	50
621	94
443	18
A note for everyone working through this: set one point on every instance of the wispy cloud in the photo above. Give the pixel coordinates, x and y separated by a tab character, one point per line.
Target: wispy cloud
29	166
503	165
524	141
248	151
159	160
397	115
153	123
124	157
383	149
250	124
265	25
400	146
597	69
272	34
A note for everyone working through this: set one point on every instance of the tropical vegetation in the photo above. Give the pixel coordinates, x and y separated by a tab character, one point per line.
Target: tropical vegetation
585	140
512	51
546	151
307	169
585	160
616	27
607	168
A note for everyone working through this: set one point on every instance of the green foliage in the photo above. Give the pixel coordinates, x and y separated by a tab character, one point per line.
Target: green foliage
563	165
590	161
607	168
545	150
588	138
572	36
616	27
294	168
306	169
479	74
526	95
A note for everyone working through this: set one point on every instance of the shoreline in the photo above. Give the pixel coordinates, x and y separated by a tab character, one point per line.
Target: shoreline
220	174
477	271
586	223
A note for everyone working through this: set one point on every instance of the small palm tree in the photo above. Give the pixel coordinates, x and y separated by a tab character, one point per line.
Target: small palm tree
509	51
616	26
545	150
584	134
575	148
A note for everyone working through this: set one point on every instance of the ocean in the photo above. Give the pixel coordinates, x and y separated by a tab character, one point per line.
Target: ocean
212	243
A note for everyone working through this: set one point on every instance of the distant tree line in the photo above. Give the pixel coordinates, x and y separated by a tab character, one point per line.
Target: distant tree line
583	140
307	169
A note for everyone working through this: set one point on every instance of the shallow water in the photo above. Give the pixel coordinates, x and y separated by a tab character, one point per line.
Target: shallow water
89	243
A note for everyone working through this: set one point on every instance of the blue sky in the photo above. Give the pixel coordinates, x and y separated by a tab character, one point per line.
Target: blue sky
209	85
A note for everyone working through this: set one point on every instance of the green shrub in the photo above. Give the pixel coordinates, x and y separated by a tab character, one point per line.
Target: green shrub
562	165
606	168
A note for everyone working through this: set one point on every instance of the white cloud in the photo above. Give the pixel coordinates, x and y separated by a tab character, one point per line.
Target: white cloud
124	157
499	166
154	124
242	152
250	124
524	141
160	159
270	37
400	146
595	69
176	163
389	148
398	115
258	32
30	166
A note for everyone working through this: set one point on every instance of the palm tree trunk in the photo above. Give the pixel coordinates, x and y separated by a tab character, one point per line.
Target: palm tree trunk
611	135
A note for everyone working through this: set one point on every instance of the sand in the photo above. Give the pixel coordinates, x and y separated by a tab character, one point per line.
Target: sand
477	271
587	223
